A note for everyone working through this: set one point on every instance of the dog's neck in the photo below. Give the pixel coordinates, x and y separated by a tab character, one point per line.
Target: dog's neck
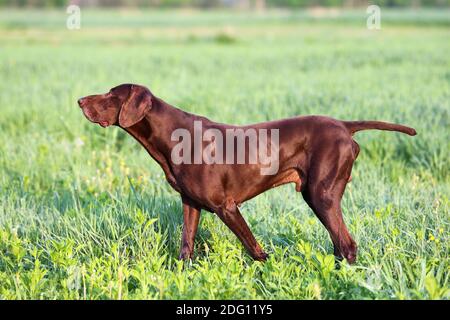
154	131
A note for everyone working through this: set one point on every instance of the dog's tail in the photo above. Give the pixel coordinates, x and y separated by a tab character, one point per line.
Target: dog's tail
354	126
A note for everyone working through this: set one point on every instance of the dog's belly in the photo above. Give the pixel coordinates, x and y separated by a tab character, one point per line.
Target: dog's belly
288	176
235	185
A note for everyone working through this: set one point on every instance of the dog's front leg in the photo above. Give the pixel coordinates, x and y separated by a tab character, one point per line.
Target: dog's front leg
229	213
191	217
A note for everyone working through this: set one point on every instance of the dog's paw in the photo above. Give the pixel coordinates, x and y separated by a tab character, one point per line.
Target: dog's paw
185	255
261	256
348	252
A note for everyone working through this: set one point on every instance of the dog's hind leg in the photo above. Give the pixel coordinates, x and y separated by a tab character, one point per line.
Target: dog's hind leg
323	193
229	213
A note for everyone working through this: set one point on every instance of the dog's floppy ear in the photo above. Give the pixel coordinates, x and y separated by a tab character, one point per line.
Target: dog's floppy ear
134	109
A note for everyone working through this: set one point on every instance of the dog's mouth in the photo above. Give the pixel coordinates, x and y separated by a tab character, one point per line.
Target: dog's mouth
104	124
93	119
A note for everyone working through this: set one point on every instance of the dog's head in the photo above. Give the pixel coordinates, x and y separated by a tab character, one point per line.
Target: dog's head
124	105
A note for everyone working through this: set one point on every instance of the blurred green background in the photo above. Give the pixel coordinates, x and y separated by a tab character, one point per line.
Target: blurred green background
85	213
257	4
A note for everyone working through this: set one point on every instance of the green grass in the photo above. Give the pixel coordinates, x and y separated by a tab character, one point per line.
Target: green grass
85	213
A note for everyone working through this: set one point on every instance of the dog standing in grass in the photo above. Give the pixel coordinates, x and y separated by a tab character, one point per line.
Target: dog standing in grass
316	153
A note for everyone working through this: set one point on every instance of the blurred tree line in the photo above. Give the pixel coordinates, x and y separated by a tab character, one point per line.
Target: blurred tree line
258	4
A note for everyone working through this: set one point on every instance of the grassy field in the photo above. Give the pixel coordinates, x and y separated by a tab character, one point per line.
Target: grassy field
85	213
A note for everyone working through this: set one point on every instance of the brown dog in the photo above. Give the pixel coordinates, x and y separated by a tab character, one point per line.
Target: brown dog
314	152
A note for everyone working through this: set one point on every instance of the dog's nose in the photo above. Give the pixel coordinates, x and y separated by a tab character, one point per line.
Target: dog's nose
80	102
